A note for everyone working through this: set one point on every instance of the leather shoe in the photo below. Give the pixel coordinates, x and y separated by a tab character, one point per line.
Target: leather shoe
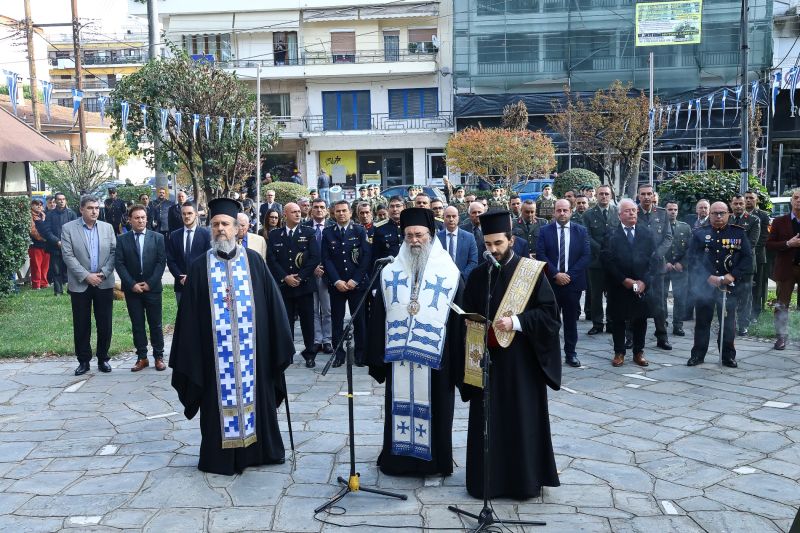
619	359
730	363
678	332
639	359
141	364
338	362
327	347
694	361
82	369
595	330
310	363
780	343
103	366
628	343
160	365
742	332
664	344
317	348
572	360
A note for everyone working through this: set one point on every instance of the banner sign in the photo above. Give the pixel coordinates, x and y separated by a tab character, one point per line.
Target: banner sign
668	23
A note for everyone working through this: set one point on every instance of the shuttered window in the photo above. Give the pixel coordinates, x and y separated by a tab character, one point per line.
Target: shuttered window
343	46
421	35
413	103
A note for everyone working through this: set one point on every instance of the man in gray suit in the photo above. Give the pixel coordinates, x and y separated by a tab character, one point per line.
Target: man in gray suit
88	247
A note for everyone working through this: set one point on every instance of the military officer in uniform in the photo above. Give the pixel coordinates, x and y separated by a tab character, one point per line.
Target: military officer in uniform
363	196
292	256
459	202
655	218
677	267
347	258
364	213
599	220
546	203
387	238
752	228
720	254
759	293
413	191
498	201
528	225
375	198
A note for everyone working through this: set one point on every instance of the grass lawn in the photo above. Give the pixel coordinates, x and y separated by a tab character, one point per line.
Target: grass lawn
765	327
36	323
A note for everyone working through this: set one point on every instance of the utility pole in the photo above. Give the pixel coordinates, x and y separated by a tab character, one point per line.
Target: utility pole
258	145
652	122
745	159
154	51
37	123
76	42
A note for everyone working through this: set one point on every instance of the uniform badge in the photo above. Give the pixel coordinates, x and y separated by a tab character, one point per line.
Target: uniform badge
298	259
356	254
708	237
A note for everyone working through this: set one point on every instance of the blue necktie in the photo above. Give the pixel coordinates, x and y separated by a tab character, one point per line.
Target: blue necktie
451	247
629	231
319	233
562	253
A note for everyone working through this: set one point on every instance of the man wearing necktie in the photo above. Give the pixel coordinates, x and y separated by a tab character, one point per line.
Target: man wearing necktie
140	262
322	302
459	244
752	228
185	245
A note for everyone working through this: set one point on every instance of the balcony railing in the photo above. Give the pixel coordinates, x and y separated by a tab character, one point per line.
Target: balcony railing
327	58
377	121
523	67
103	60
87	84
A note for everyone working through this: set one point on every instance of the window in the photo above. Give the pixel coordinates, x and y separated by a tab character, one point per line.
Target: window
346	110
492	49
420	41
413	103
218	45
391	45
343	46
277	104
284	46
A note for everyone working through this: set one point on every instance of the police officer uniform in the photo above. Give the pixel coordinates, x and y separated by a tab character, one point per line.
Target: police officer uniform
346	255
386	239
717	252
657	222
744	301
678	253
296	252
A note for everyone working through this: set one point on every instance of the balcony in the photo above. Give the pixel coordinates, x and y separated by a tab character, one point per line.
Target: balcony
67	85
377	121
550	66
327	58
67	62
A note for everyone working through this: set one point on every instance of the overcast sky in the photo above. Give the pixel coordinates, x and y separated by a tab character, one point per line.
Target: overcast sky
108	15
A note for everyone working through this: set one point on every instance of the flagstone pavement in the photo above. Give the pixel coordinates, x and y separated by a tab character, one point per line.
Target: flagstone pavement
667	448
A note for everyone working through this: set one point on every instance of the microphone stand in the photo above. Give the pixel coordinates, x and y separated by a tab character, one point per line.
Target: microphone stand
352	484
486	518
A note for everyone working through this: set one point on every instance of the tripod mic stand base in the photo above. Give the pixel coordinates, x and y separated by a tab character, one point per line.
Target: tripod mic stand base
486	519
354	485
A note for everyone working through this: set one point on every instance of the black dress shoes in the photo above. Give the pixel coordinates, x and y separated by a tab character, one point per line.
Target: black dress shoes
82	369
317	348
780	343
730	363
595	330
572	360
678	332
327	348
310	363
338	362
664	344
103	366
694	361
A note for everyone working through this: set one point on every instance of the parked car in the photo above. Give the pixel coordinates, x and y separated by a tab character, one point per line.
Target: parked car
531	189
781	205
401	190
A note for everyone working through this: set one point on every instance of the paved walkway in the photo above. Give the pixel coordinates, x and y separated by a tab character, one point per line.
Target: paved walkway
670	448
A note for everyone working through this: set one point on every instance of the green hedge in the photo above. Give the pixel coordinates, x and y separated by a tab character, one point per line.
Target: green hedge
15	219
714	185
574	179
285	191
131	193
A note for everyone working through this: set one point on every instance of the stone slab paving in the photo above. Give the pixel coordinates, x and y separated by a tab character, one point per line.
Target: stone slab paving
662	449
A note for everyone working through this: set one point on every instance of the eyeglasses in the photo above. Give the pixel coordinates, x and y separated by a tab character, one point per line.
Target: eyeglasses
719	213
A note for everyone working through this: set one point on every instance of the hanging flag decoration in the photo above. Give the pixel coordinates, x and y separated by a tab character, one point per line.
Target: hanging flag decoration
47	90
739	90
220	126
794	73
11	81
163	115
233	126
724	99
689	114
652	119
124	109
710	106
207	125
753	97
669	114
195	123
252	124
101	105
660	115
77	97
698	115
178	122
241	128
776	87
143	109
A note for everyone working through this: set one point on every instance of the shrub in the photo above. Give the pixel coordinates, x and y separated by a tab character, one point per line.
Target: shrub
15	218
574	179
714	185
131	193
285	191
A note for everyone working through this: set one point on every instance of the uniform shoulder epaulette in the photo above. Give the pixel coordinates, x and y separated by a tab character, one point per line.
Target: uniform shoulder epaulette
381	223
737	226
437	219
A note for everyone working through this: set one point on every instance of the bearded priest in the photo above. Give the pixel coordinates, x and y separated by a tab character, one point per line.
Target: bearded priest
525	360
413	336
231	345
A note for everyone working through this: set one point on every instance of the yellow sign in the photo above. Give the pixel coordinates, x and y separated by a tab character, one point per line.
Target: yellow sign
668	23
339	164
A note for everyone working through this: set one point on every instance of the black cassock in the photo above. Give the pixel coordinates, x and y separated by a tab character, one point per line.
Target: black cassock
442	395
194	371
521	451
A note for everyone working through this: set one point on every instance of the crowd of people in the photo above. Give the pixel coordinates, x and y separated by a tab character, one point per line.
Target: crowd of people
241	290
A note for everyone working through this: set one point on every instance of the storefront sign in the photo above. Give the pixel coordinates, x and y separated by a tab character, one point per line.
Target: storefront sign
339	164
668	23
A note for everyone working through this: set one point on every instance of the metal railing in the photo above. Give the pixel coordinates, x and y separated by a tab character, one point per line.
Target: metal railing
87	84
102	60
377	121
328	58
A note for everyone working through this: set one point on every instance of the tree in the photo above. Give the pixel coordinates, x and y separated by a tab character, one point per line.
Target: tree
85	173
500	153
118	154
515	116
613	124
216	163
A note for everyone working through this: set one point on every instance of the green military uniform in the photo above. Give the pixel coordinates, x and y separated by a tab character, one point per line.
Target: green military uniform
529	231
461	205
657	222
545	207
681	234
598	224
759	293
744	303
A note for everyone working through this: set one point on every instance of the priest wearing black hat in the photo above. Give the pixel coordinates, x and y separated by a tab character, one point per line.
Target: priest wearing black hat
526	359
413	343
231	345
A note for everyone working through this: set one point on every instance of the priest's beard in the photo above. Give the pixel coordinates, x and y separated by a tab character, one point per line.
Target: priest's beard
223	245
419	258
503	258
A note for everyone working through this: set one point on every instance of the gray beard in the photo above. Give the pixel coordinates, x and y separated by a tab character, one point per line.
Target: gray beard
419	258
225	246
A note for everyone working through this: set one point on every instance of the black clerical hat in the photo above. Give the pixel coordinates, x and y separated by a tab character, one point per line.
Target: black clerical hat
417	216
495	222
223	206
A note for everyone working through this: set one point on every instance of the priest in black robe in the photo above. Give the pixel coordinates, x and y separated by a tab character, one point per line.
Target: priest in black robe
406	333
525	360
230	348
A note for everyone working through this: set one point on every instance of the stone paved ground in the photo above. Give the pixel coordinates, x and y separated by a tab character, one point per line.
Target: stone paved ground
667	449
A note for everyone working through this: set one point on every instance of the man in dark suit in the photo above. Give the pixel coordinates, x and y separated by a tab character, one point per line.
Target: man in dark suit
185	245
473	225
322	301
269	203
458	243
174	213
140	261
53	223
346	255
627	256
564	245
656	220
784	240
292	255
598	220
116	211
700	218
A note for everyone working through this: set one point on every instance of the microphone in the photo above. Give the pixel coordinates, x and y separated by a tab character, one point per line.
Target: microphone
490	258
385	261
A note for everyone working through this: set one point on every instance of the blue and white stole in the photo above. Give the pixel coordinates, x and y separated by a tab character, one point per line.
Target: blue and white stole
416	326
231	293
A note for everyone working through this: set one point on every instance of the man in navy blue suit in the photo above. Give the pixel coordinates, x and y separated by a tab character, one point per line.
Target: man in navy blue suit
347	257
185	245
565	247
458	243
